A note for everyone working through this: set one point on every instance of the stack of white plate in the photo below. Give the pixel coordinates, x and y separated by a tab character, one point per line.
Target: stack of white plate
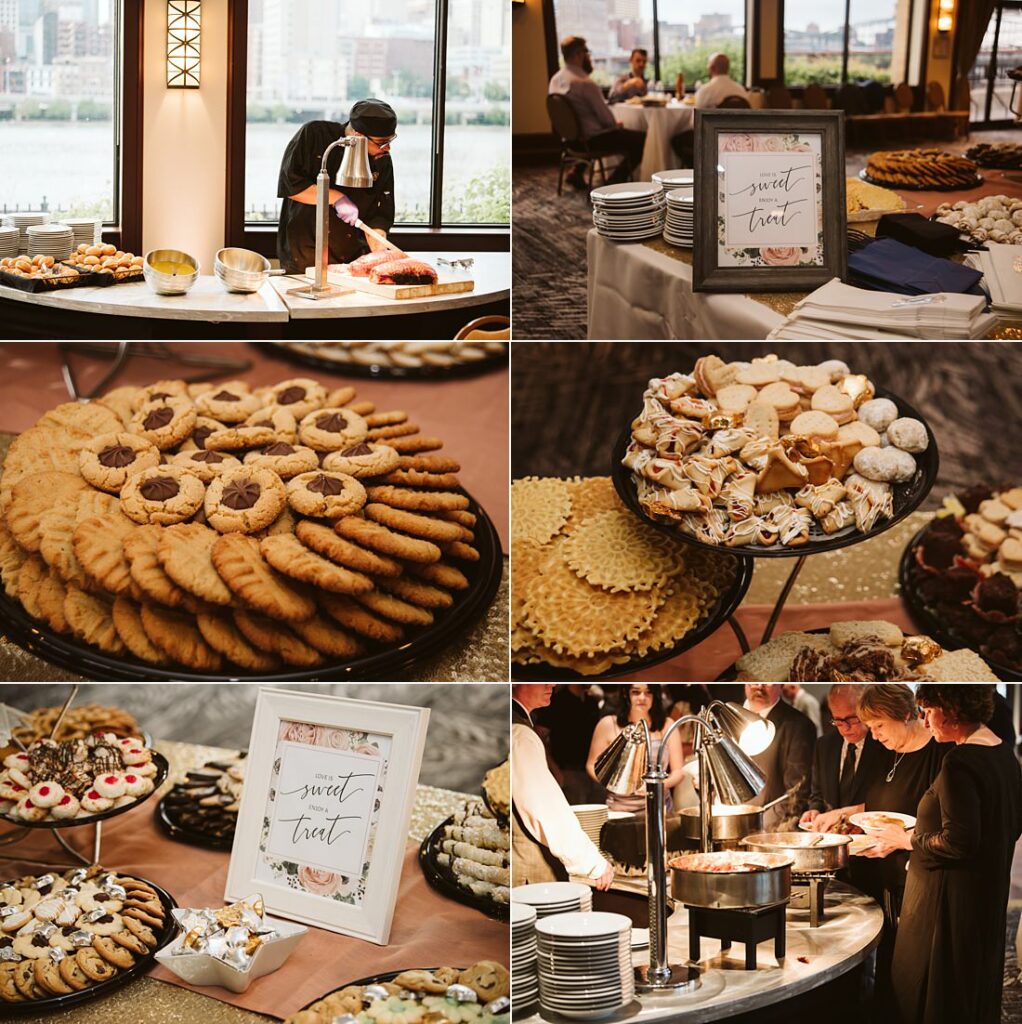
524	973
23	220
56	240
591	817
10	242
585	964
669	180
679	227
550	898
630	211
87	230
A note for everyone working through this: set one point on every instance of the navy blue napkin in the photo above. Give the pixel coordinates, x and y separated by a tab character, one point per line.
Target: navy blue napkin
890	266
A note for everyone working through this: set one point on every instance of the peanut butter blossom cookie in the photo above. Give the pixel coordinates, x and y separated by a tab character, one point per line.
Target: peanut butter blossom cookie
225	528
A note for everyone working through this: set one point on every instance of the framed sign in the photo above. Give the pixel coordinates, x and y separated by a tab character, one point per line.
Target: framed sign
769	199
323	822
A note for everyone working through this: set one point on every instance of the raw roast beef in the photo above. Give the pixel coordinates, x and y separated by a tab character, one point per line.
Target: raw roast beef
403	271
362	266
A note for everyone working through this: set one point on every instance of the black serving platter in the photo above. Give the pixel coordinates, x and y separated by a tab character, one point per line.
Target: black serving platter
376	979
443	880
730	674
162	768
921	188
348	368
166	819
910	572
484	580
907	498
711	621
56	1004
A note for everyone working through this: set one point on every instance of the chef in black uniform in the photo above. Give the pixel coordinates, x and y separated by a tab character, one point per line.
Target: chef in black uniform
296	186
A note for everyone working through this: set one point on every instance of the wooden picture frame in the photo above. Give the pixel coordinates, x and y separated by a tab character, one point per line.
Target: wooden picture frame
744	156
323	823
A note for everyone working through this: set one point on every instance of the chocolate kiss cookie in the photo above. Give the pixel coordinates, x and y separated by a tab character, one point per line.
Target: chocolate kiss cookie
244	500
286	460
108	460
363	459
162	495
299	395
229	403
329	430
166	422
326	495
205	464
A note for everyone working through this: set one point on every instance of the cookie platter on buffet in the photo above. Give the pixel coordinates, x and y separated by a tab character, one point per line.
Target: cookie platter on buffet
227	529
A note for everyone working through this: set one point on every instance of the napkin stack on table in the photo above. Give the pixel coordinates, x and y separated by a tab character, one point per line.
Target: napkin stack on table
1001	266
840	311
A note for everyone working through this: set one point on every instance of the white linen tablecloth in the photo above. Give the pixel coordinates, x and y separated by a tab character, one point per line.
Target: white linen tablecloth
659	124
639	294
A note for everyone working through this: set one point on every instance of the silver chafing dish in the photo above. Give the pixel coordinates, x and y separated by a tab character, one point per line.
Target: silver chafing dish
727	823
811	853
731	879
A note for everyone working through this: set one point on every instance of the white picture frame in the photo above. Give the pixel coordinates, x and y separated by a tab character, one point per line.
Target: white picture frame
311	756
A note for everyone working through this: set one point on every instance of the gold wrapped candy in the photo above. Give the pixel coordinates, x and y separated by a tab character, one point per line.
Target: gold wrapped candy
918	650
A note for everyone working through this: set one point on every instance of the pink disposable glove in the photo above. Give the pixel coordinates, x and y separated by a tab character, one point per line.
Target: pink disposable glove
346	210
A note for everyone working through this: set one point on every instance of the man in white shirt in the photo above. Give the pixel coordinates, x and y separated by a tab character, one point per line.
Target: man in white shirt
802	700
721	84
633	81
547	841
597	125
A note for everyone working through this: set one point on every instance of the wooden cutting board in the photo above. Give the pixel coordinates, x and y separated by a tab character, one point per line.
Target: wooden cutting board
445	285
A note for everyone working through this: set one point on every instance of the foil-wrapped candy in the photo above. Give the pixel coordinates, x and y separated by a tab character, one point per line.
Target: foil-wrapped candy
57	954
344	1018
43	881
461	994
375	992
918	650
231	934
8	955
858	387
80	939
498	1006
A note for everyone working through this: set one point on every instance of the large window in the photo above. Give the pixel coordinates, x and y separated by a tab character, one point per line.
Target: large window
611	28
1001	50
312	60
59	88
832	42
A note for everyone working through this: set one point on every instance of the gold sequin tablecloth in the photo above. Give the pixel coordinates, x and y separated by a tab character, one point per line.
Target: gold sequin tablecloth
147	1001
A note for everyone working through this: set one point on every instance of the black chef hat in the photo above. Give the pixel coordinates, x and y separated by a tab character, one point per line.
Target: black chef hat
373	118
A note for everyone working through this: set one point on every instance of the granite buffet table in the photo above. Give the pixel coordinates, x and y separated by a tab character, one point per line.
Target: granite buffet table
133	310
814	957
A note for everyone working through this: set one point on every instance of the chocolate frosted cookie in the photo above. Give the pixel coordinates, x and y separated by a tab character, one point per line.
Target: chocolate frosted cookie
363	459
329	430
285	459
244	500
108	460
162	495
166	422
326	495
299	395
229	403
205	464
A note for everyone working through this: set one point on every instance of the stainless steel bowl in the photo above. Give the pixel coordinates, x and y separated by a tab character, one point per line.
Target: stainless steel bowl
169	284
732	823
241	270
697	879
811	852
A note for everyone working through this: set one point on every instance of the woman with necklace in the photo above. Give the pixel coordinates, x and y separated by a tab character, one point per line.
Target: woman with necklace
949	954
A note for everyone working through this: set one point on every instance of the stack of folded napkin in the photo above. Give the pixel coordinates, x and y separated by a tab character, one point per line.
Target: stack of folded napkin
888	265
1001	266
840	311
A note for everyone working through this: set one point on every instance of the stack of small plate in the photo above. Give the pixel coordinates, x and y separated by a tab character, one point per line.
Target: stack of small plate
550	898
669	180
524	973
585	964
630	211
23	220
56	240
10	242
679	227
87	230
591	817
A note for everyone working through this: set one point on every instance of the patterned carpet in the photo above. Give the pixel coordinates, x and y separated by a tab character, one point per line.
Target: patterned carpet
549	249
571	400
468	726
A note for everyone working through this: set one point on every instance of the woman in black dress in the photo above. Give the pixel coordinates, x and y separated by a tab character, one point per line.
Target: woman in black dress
949	953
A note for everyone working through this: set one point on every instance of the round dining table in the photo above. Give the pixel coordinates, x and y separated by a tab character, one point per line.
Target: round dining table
660	123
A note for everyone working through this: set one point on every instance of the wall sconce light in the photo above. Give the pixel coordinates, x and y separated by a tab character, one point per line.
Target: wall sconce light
184	43
945	15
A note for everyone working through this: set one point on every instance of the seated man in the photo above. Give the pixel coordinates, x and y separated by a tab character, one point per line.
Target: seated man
632	82
721	84
597	125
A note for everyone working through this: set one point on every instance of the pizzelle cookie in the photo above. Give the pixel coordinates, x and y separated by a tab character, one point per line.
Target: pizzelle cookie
540	507
185	553
241	566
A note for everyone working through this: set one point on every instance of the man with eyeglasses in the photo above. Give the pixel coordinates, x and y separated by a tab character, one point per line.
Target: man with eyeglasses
846	761
296	187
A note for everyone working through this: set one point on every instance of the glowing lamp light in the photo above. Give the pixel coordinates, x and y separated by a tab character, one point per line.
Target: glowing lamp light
184	43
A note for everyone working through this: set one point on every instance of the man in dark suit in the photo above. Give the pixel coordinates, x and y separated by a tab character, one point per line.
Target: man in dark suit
848	760
787	762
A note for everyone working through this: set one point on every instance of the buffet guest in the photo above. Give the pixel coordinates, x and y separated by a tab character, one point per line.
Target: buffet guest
641	703
802	700
949	953
721	84
571	719
787	763
547	841
296	187
847	761
633	81
598	127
